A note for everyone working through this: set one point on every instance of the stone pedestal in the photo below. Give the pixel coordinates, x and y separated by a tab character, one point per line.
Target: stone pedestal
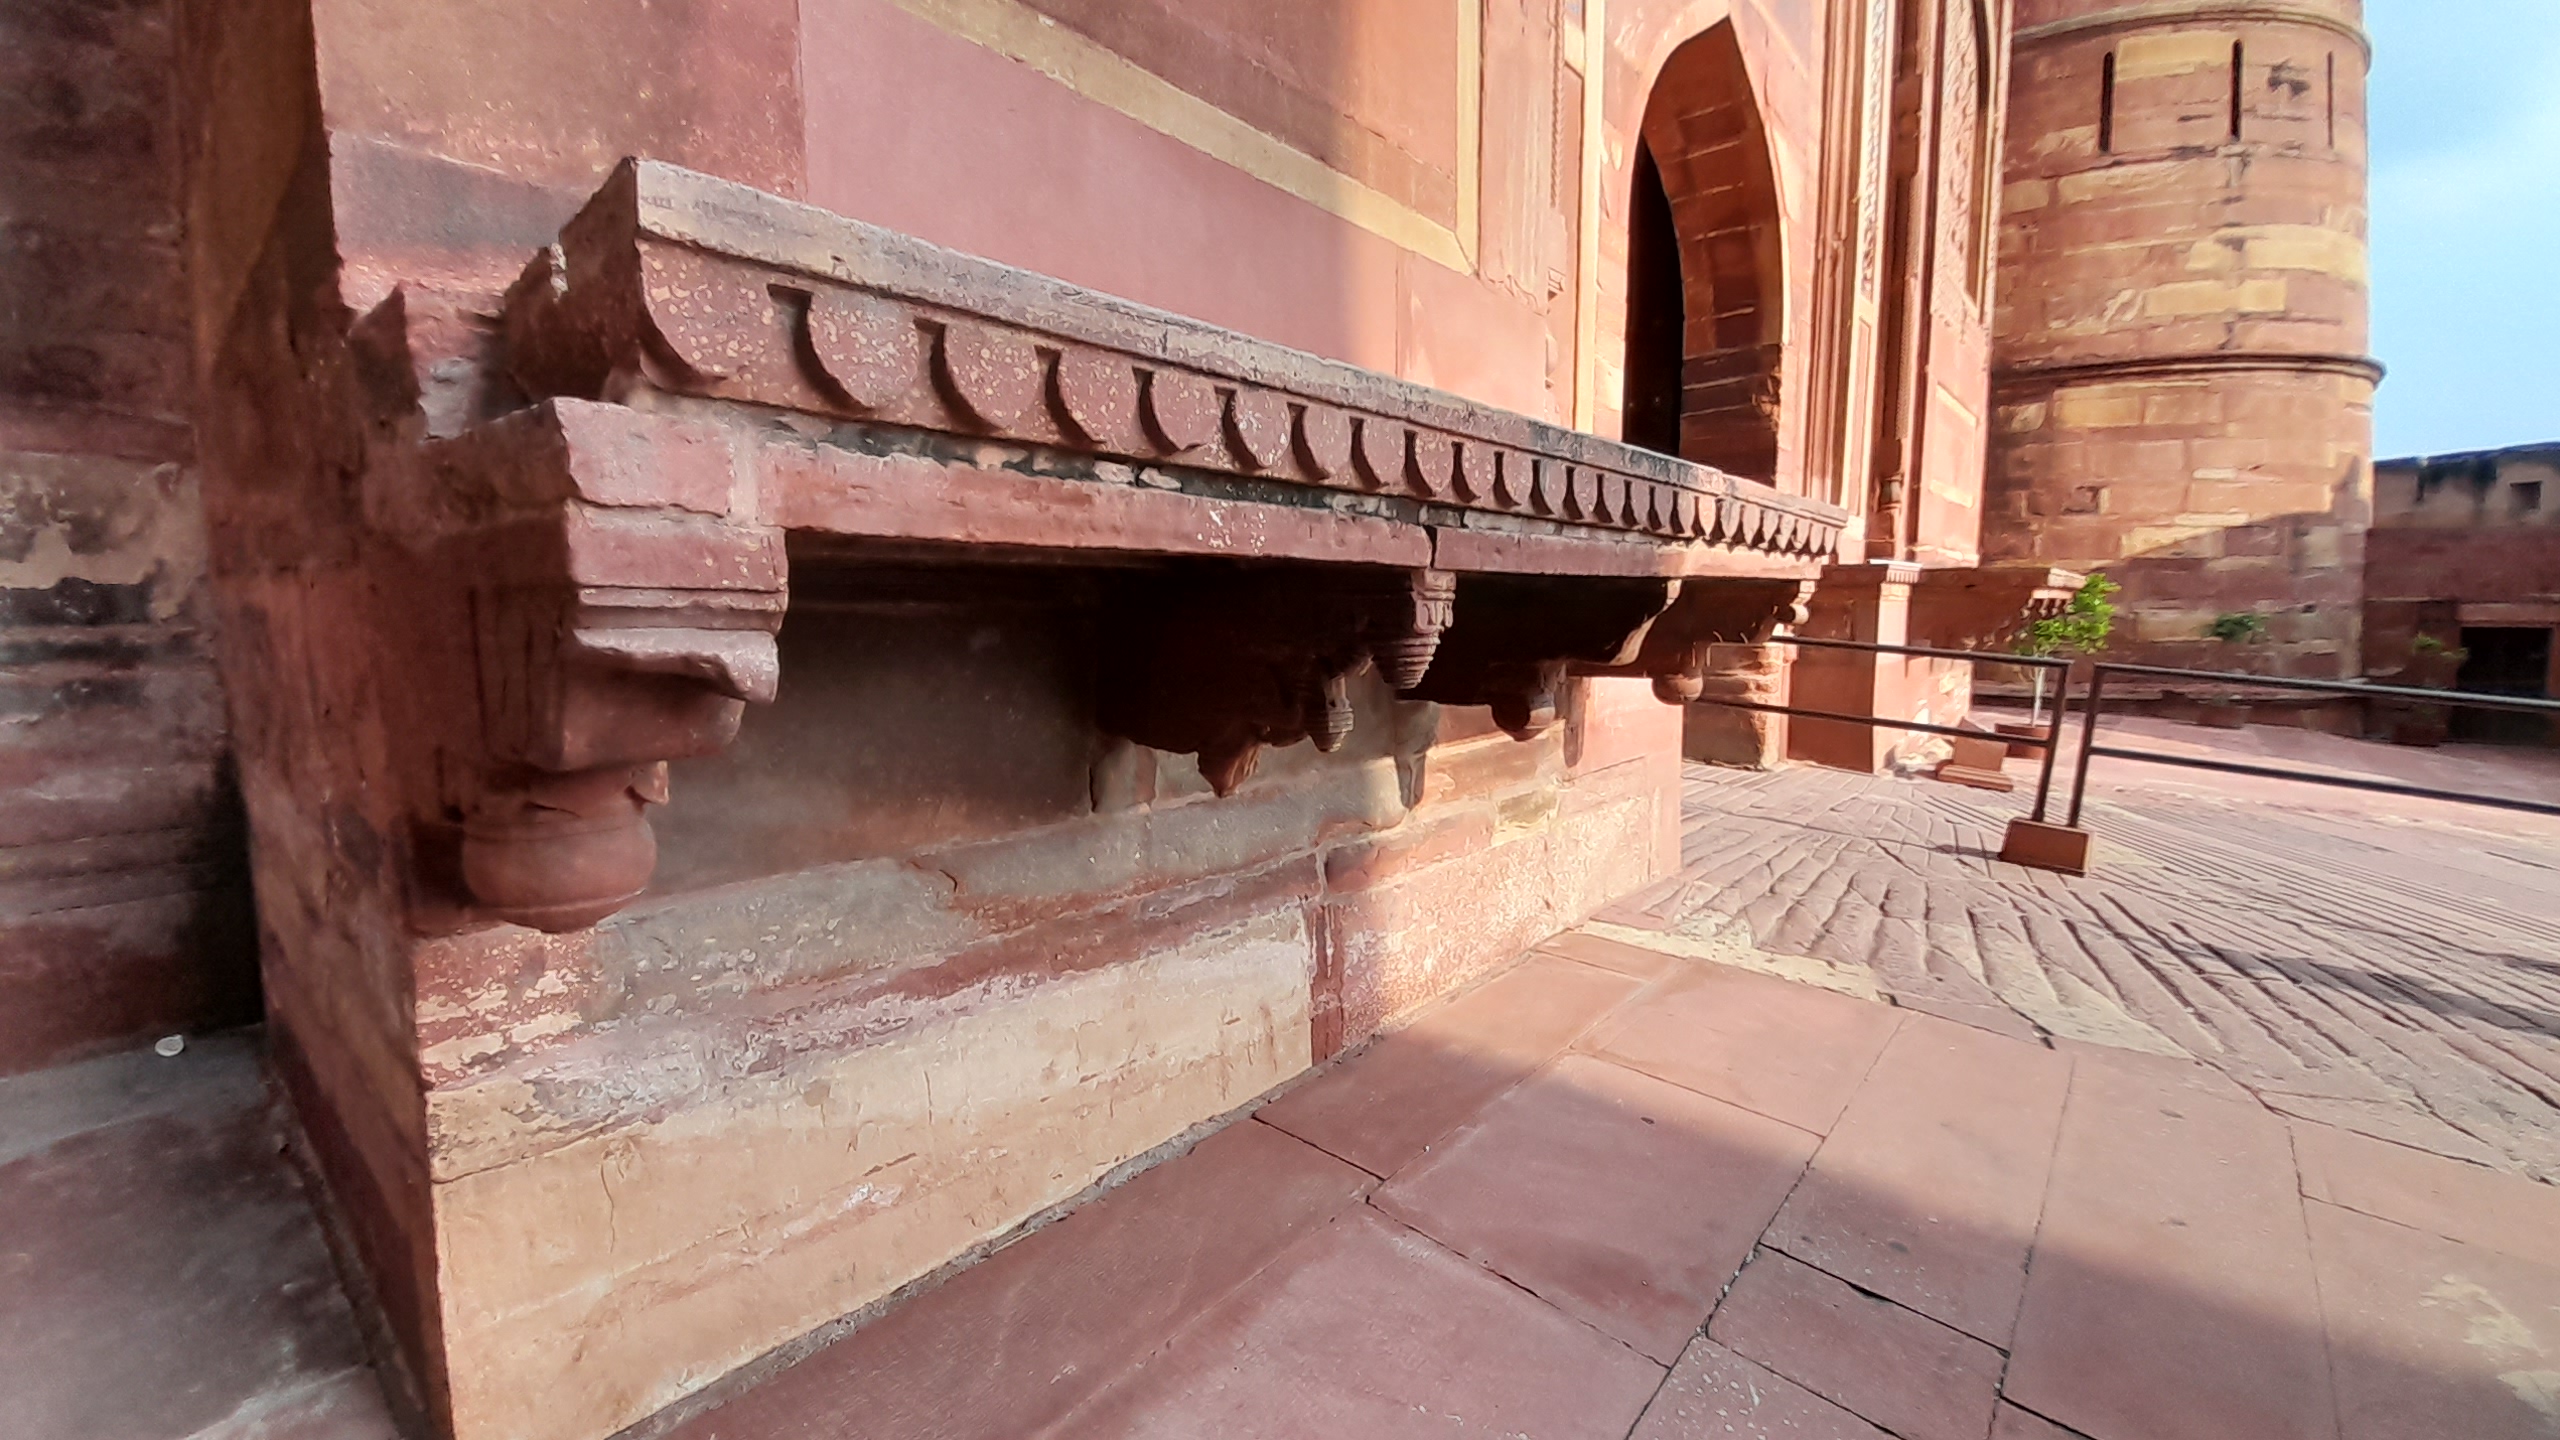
1872	603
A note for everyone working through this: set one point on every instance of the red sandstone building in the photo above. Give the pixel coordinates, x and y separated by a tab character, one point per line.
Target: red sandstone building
830	620
2462	578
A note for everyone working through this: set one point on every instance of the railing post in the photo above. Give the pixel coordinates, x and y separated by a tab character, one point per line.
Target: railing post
2088	741
2052	745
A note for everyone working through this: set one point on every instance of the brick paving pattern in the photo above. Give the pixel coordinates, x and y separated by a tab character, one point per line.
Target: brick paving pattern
2391	966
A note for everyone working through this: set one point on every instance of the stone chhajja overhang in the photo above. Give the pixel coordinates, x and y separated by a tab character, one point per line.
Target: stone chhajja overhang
698	368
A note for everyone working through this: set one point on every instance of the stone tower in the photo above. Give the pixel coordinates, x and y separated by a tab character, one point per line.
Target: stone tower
2182	392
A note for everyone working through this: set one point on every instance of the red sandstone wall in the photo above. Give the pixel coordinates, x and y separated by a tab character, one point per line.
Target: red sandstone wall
123	898
2182	393
927	954
2479	567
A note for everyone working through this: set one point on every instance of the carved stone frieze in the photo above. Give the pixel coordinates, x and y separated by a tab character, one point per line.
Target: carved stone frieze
688	285
699	368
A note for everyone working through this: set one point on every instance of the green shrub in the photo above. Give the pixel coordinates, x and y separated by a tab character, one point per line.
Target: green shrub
2240	627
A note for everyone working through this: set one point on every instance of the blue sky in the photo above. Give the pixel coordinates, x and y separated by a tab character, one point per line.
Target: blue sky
2465	114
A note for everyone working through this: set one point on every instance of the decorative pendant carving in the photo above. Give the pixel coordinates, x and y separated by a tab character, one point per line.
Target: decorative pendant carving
1515	638
1219	662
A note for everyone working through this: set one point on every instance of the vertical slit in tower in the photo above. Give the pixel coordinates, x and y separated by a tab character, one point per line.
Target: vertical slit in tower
2107	105
2239	57
2332	93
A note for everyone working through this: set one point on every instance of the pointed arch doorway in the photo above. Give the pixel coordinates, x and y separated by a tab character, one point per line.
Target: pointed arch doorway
1705	267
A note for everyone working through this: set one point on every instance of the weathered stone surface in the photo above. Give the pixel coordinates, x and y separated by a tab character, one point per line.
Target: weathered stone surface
1036	1329
2353	973
1624	1201
162	1276
1363	1326
1895	1367
1381	1108
2163	1193
1714	1394
1928	1189
2430	1336
1706	1030
588	1286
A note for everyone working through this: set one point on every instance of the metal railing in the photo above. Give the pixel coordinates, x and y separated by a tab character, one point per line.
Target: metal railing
2452	699
2049	743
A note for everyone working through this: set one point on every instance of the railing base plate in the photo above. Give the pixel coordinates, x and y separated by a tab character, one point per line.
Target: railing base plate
2040	846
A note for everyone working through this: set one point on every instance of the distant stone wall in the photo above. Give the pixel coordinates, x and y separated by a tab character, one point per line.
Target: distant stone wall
123	893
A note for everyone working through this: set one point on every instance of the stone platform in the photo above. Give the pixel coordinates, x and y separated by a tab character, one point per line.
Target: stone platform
1619	1192
1639	1184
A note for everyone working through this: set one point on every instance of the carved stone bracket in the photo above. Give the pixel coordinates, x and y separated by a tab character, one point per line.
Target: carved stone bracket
1709	611
1219	662
1986	608
1516	638
614	626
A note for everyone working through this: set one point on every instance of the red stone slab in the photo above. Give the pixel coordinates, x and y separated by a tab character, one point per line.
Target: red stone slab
161	1273
1610	954
2430	1338
1387	1104
1714	1394
2506	1213
1790	1052
1895	1367
1045	1323
2012	1423
2171	1295
1620	1199
1928	1188
1369	1329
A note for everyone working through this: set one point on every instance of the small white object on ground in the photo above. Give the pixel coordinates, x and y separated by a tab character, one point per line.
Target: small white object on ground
169	1044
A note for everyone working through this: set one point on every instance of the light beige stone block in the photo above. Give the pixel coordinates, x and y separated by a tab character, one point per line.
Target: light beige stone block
2306	247
596	1283
2183	298
2099	407
2156	54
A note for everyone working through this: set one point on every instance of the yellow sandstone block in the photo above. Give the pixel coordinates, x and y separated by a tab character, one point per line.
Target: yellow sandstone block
2214	297
2150	57
2098	407
2183	540
595	1283
2306	247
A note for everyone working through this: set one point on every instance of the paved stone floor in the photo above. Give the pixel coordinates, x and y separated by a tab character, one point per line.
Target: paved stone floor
161	1275
2389	965
1973	1180
1620	1192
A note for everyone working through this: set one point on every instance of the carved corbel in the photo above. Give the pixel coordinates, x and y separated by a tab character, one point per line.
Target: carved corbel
1515	638
1708	612
618	620
1220	663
